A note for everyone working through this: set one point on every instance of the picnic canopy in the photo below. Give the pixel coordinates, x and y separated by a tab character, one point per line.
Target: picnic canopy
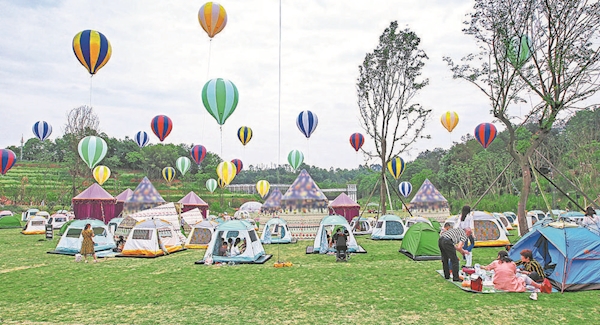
303	195
94	203
145	196
344	206
121	198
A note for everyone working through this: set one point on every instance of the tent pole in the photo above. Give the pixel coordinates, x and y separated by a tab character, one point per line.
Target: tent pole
494	182
537	181
401	200
560	190
370	196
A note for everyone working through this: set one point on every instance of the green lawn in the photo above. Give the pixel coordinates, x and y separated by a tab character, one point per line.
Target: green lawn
380	287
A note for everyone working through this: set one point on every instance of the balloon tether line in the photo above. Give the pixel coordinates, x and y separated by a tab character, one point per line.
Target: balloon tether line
91	78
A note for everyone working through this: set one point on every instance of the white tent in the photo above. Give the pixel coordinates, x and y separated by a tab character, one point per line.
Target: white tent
389	226
486	229
35	226
70	241
190	218
152	238
328	225
253	252
503	220
361	226
112	225
412	220
200	234
276	231
251	206
167	212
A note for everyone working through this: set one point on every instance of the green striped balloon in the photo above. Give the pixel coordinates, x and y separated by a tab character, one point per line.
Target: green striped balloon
295	158
92	150
220	98
183	164
211	185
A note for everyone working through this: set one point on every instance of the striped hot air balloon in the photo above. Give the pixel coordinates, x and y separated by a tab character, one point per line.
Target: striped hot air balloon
7	160
220	98
449	120
168	173
42	130
396	167
405	188
101	174
238	165
92	49
244	134
221	183
211	184
519	51
307	123
295	158
226	171
356	141
183	164
485	133
161	126
92	150
198	153
142	139
263	187
212	18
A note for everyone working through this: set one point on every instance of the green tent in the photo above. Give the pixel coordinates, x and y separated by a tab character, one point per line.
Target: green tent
436	224
421	243
10	222
64	227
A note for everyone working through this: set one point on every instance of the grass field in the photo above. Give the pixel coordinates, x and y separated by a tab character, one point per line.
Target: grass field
380	287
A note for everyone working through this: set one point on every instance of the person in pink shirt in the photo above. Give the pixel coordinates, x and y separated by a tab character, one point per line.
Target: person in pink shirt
507	278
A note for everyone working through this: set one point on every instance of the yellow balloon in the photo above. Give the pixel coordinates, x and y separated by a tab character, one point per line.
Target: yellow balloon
101	174
263	187
221	183
226	171
449	120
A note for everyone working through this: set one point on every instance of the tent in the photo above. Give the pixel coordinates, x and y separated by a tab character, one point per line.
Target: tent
421	243
413	220
499	217
28	214
361	226
94	203
190	218
254	253
193	201
276	231
388	226
201	234
121	198
304	195
503	220
486	229
575	252
273	202
344	206
113	225
70	242
435	224
429	202
144	197
327	225
152	238
8	220
35	226
167	212
251	206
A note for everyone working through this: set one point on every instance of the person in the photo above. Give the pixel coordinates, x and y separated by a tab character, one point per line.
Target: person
329	241
341	241
120	244
465	222
235	251
530	267
451	241
591	219
87	245
506	277
223	249
243	246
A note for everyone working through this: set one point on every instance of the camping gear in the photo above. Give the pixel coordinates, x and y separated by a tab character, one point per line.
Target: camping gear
413	220
331	223
8	220
152	238
201	234
70	242
486	229
190	218
35	226
251	206
476	283
390	227
421	243
344	206
121	198
276	231
361	226
57	220
28	214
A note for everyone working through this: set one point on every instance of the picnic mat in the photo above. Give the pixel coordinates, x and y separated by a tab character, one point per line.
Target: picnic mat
487	287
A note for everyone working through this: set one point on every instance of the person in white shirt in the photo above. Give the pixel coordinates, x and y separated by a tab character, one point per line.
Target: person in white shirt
591	219
235	251
466	218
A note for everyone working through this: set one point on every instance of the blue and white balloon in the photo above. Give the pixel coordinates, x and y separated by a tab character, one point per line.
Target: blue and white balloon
405	188
307	123
142	139
42	130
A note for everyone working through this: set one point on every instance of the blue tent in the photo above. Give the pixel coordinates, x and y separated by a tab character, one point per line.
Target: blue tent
574	251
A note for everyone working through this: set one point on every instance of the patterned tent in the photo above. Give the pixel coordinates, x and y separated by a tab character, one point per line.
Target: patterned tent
145	196
304	194
94	203
192	201
429	202
121	198
273	202
344	206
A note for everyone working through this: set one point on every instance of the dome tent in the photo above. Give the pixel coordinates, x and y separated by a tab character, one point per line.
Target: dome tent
388	226
35	226
152	238
201	234
71	239
329	223
276	231
421	242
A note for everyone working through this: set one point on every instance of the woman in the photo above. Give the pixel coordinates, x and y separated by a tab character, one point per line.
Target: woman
464	223
506	277
591	219
87	246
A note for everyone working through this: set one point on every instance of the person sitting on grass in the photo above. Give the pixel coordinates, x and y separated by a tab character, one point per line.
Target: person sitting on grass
530	266
223	249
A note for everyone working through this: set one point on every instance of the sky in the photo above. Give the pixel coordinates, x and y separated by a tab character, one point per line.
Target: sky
161	58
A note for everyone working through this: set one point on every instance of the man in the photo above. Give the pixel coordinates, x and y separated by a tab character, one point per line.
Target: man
530	267
341	239
451	241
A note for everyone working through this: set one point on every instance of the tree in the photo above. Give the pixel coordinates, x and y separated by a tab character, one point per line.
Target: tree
548	48
388	82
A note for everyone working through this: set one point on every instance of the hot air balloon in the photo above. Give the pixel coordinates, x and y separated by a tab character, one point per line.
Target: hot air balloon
142	139
307	123
449	120
168	173
238	165
226	171
405	188
376	167
212	18
295	158
183	164
396	167
92	49
519	51
92	150
485	133
221	183
161	126
42	130
220	98
211	184
101	174
198	153
356	141
263	187
7	160
244	134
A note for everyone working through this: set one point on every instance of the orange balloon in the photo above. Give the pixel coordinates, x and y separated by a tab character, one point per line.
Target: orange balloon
449	120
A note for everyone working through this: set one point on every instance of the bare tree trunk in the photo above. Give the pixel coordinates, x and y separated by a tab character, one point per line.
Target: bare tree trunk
521	212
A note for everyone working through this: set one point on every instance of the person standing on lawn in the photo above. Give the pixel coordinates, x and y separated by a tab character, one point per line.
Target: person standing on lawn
87	245
451	241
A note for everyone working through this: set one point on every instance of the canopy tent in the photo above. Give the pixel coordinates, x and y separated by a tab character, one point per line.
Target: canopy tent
166	212
70	241
94	203
570	255
201	234
35	226
254	253
361	226
344	206
251	206
486	229
152	238
273	202
144	197
388	226
276	231
327	226
121	198
190	218
192	201
9	220
421	243
304	195
429	202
